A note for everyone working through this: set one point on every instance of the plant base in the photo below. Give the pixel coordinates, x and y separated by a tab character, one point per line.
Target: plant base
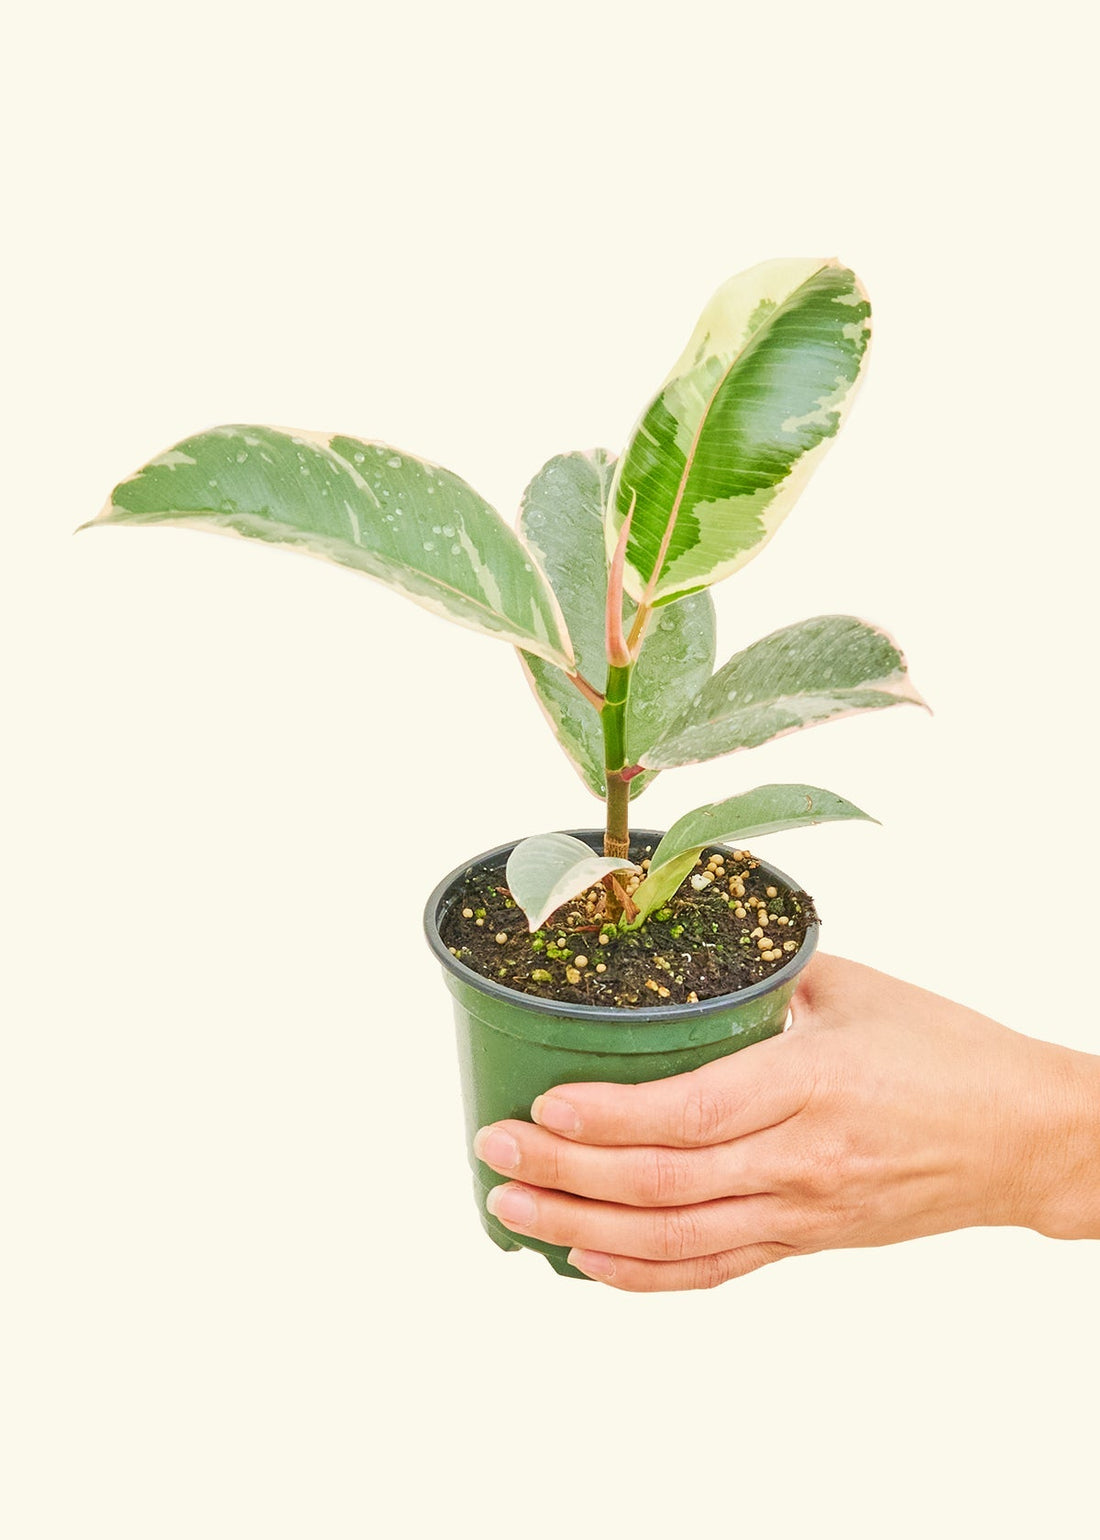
514	1047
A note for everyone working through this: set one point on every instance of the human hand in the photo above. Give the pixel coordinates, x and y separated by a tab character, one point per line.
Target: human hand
884	1113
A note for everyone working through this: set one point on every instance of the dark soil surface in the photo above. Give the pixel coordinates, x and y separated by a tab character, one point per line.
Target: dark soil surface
729	924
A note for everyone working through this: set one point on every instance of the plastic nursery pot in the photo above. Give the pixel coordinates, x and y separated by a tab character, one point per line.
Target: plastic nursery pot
513	1047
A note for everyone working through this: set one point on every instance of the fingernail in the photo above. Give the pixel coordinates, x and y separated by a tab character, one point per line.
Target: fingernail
551	1112
496	1148
595	1263
511	1205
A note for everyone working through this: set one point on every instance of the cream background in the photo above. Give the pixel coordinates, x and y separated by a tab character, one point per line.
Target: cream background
245	1293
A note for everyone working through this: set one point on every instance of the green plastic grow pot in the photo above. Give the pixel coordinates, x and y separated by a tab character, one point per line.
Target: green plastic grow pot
513	1047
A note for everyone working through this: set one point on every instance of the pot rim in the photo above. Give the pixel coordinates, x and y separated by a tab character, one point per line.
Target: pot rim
624	1015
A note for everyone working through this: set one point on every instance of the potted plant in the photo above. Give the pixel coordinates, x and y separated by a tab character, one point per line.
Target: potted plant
606	954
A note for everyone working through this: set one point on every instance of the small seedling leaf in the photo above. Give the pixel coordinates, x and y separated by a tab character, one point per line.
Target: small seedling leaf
765	810
547	870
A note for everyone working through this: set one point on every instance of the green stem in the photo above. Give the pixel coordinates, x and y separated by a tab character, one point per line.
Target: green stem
613	719
637	630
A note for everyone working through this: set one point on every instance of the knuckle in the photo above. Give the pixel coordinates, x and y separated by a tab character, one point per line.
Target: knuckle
804	1227
827	1166
819	1232
764	1255
712	1270
817	1226
555	1174
676	1235
701	1116
657	1177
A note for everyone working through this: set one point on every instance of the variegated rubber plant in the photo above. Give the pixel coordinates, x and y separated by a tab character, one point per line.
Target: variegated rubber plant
604	587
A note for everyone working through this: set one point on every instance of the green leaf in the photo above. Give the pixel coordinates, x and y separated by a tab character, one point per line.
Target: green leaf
766	810
561	519
417	528
724	448
831	666
548	870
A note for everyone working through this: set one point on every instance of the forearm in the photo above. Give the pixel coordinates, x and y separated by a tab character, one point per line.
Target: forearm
1066	1191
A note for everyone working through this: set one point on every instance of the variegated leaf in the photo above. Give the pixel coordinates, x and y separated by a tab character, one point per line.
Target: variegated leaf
765	810
417	528
547	870
726	445
561	519
831	666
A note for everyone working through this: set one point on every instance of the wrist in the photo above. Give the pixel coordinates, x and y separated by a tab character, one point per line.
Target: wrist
1063	1179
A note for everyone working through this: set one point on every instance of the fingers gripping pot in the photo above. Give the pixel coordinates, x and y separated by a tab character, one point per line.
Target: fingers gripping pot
513	1047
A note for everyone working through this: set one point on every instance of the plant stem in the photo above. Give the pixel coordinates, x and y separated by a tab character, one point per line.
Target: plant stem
637	630
616	840
590	693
